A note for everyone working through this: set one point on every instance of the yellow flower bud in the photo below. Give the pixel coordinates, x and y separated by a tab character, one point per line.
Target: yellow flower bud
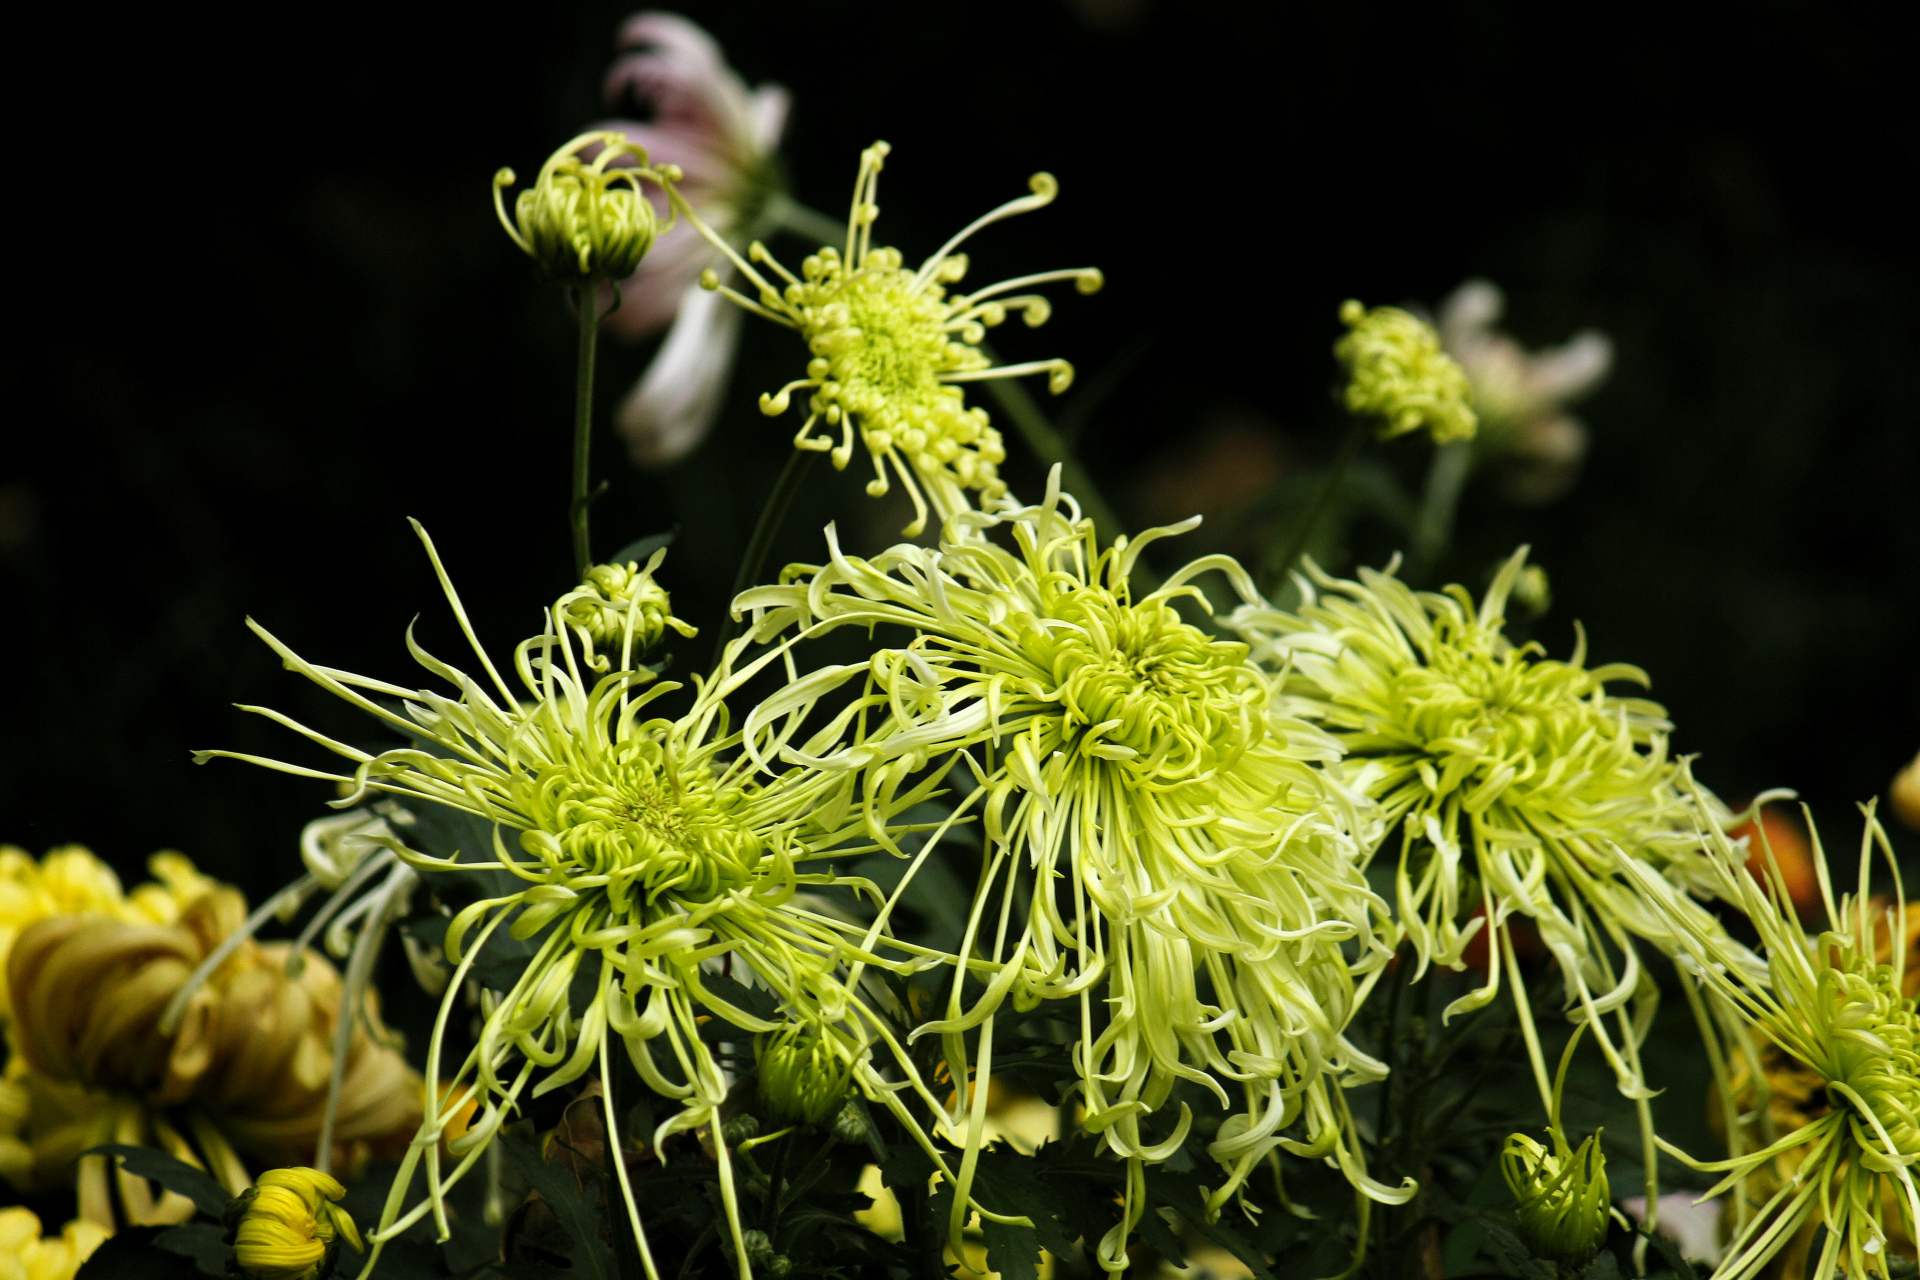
803	1075
585	220
1563	1199
286	1226
1398	374
1905	794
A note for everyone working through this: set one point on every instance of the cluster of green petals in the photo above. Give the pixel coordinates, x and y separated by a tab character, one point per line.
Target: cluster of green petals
1827	1001
643	849
1562	1198
1397	373
619	612
1512	778
1177	841
890	345
586	219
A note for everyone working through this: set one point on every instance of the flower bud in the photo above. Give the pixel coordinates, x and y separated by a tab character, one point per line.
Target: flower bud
621	610
803	1077
1398	374
1906	794
287	1226
850	1126
585	220
1563	1199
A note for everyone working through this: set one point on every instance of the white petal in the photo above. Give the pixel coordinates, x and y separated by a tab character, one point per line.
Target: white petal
672	407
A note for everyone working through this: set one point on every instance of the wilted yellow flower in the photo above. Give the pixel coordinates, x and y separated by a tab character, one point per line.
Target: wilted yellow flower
287	1226
26	1255
1398	374
248	1062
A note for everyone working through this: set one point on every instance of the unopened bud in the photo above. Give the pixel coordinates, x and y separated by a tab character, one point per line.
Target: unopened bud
1906	794
620	610
287	1226
850	1126
740	1129
1563	1198
584	220
803	1075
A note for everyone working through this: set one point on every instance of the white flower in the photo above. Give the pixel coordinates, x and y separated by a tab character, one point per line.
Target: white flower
723	137
1521	396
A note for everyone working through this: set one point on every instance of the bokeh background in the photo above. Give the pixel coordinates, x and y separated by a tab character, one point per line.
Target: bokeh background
262	313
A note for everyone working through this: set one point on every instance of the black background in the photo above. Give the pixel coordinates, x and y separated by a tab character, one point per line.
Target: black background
262	312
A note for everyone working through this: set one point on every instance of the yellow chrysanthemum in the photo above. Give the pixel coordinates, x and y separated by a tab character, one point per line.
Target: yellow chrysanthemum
1207	871
586	219
287	1226
890	346
25	1255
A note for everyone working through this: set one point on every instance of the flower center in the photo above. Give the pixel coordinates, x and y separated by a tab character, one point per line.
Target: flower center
1183	703
624	815
880	348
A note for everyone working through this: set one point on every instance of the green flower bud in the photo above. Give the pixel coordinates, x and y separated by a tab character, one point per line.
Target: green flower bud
1398	374
620	610
586	220
1532	592
740	1129
850	1126
1563	1199
803	1075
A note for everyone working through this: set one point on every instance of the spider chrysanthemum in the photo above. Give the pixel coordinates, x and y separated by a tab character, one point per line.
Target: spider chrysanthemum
645	849
1829	1003
891	346
1176	843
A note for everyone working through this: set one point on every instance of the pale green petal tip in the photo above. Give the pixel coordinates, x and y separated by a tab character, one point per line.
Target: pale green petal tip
1398	374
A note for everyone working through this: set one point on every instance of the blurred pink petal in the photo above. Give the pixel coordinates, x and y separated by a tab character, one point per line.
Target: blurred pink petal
673	406
650	297
1694	1227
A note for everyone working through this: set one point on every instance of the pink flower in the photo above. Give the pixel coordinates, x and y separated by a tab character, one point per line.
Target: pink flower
1520	396
723	137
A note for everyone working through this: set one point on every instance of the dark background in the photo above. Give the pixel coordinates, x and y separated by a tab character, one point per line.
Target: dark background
262	312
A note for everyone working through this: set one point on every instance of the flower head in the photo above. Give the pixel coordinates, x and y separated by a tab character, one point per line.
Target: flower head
24	1255
1832	1004
585	219
1398	374
620	609
1207	871
890	347
1521	396
287	1226
1506	772
803	1074
1562	1194
639	849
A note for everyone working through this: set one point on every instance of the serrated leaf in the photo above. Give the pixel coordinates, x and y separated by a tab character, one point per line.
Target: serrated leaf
131	1254
591	1257
204	1242
1013	1251
196	1185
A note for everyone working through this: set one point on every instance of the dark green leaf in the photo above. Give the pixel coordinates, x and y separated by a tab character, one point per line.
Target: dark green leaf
591	1257
640	550
1507	1249
132	1255
1603	1267
204	1242
196	1185
1012	1251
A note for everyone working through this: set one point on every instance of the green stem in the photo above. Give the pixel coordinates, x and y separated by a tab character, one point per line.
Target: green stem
1433	527
1273	571
1051	448
792	476
588	296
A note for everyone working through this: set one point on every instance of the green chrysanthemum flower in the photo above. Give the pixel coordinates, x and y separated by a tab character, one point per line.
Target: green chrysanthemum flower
1183	846
647	847
890	347
1561	1194
1398	374
621	610
1826	1002
585	220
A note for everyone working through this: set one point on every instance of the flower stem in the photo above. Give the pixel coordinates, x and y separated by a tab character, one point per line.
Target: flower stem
588	296
1274	569
1433	527
792	476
